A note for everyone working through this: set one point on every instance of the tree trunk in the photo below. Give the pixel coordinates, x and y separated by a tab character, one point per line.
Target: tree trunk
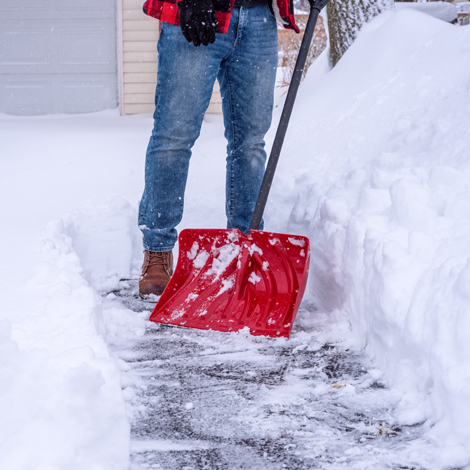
345	19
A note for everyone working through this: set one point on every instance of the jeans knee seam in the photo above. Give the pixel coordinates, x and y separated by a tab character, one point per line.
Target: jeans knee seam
234	138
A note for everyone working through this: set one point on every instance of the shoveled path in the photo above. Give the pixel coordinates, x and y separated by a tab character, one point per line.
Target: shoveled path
208	400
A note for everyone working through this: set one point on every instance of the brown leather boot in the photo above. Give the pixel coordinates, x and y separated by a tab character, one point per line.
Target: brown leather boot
156	272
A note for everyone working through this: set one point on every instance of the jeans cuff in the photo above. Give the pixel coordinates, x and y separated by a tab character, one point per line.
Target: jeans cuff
159	249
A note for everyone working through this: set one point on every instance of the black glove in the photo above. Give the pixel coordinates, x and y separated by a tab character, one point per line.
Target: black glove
198	21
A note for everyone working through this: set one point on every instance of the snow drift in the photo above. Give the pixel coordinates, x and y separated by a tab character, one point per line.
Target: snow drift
444	11
61	397
379	164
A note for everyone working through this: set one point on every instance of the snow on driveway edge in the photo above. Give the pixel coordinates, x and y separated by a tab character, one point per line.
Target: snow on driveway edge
388	249
62	402
382	191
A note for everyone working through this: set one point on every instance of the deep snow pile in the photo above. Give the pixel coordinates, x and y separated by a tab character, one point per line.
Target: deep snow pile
60	395
442	10
380	155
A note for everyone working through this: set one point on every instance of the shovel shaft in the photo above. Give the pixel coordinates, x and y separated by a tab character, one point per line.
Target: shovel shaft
285	117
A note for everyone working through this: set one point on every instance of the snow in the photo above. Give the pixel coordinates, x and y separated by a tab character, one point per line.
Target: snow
61	399
222	258
463	7
254	279
444	11
296	241
201	260
381	183
375	171
61	402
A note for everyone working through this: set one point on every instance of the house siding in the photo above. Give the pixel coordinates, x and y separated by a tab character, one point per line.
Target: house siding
58	58
139	57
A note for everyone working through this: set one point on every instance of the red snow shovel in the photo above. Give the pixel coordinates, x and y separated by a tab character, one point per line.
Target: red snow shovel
226	280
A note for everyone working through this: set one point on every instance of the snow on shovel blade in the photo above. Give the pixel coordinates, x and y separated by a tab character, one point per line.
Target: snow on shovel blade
227	281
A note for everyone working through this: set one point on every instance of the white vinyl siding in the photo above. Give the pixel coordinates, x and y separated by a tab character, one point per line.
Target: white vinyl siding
139	58
140	61
57	56
215	106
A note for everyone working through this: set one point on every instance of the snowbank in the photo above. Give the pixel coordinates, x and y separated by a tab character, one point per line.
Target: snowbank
444	11
62	394
61	398
378	160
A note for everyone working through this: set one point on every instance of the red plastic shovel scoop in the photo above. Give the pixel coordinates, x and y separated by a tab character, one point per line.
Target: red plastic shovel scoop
227	281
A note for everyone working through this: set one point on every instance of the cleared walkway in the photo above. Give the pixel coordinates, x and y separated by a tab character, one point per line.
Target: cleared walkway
207	400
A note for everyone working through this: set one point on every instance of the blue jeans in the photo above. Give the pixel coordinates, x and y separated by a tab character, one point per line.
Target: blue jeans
244	61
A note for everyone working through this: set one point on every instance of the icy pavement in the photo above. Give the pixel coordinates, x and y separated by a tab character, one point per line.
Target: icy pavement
208	400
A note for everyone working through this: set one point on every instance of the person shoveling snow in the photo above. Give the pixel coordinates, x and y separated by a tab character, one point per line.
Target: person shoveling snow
263	283
240	50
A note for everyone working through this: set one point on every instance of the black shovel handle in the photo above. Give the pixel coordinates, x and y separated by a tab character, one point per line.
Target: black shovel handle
285	117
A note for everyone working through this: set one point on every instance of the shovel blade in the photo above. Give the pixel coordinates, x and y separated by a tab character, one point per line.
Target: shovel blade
226	281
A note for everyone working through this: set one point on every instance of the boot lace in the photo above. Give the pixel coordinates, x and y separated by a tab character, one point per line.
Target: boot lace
157	259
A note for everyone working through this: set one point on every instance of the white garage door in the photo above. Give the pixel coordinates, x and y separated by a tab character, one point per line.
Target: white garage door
57	56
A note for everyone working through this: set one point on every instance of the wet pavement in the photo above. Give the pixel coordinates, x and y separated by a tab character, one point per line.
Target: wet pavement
208	400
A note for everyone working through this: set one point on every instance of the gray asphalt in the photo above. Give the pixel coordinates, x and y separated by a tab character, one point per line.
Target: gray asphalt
209	400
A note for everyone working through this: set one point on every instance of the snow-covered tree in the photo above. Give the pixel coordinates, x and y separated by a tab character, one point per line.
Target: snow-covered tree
345	19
